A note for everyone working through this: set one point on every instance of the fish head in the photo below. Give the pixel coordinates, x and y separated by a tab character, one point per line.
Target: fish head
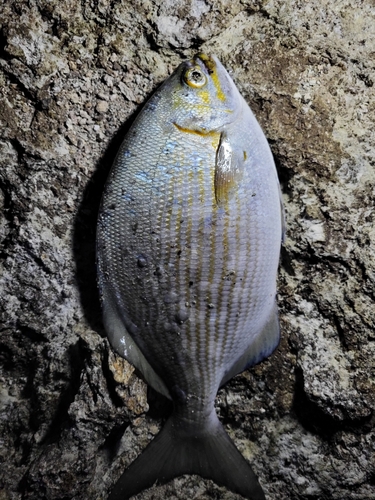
203	96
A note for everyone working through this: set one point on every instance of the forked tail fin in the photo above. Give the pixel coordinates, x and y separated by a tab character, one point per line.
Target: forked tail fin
211	455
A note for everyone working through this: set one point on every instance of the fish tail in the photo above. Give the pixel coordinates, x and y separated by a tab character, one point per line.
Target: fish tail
176	450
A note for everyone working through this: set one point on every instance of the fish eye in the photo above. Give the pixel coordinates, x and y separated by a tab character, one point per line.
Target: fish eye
195	77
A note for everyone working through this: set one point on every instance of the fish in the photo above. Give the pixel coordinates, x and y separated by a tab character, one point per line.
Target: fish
188	242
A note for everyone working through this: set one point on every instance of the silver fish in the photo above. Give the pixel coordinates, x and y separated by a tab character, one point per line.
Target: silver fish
188	245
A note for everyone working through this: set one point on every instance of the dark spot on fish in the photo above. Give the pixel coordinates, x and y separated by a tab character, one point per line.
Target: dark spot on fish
178	394
182	315
179	253
159	271
210	306
127	196
191	283
112	206
135	227
142	261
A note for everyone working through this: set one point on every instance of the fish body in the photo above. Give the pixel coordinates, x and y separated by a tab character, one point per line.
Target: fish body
188	245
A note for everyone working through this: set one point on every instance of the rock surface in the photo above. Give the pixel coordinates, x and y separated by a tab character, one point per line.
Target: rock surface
72	75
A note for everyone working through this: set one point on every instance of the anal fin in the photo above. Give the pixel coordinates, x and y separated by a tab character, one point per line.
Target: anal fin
125	346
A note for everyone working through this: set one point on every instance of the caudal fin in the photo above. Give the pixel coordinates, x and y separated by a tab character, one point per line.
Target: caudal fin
211	455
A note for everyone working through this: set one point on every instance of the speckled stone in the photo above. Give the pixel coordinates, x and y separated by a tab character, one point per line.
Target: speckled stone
72	75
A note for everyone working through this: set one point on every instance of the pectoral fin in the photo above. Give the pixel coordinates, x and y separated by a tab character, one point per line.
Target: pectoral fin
228	170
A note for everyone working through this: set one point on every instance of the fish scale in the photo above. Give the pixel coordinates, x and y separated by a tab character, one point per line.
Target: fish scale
188	244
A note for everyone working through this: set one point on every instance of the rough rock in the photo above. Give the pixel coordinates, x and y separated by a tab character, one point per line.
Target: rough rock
72	77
